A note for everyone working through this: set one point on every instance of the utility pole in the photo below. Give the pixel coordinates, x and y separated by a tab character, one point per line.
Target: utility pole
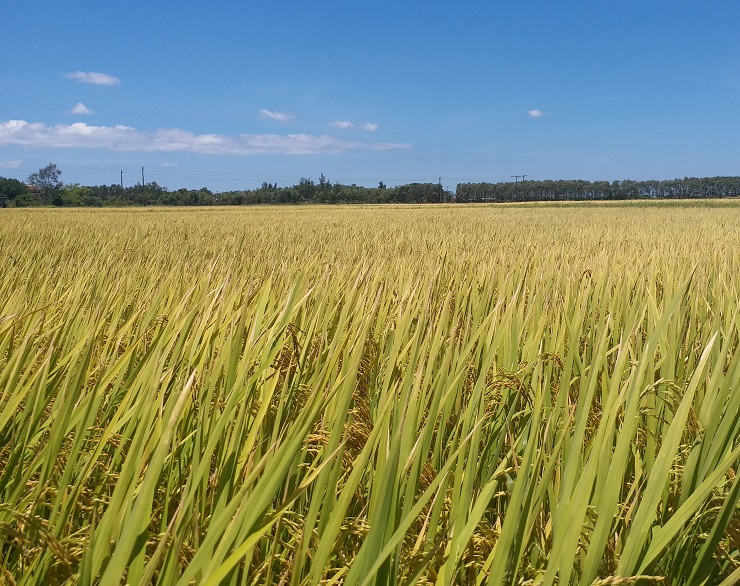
516	183
142	176
516	186
440	190
121	178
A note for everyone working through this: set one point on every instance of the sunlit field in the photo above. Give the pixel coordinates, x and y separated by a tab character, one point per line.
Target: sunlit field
542	394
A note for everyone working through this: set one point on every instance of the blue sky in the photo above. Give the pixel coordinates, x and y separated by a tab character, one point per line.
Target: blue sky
227	95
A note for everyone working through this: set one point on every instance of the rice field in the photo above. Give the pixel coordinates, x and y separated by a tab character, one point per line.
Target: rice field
524	395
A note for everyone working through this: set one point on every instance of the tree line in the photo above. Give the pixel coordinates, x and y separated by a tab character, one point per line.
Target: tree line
45	188
578	190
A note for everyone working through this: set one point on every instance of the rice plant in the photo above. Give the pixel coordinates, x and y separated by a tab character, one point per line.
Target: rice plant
543	394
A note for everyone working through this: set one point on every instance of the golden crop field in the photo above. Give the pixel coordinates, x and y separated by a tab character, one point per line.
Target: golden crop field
542	394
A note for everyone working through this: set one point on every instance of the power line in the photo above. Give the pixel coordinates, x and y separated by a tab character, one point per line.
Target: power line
344	180
285	181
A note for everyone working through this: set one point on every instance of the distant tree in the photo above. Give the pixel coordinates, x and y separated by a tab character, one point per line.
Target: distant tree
13	188
47	180
76	195
306	190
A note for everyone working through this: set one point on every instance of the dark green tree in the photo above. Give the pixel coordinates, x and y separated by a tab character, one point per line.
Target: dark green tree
13	189
306	190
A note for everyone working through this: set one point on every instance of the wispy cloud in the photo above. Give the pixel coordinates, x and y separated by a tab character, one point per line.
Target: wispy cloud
169	164
535	113
279	116
341	124
370	126
171	140
81	109
93	78
10	164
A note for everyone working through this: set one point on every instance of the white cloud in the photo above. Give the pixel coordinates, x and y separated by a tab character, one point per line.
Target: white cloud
370	126
171	140
10	164
93	78
535	113
341	124
279	116
81	109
